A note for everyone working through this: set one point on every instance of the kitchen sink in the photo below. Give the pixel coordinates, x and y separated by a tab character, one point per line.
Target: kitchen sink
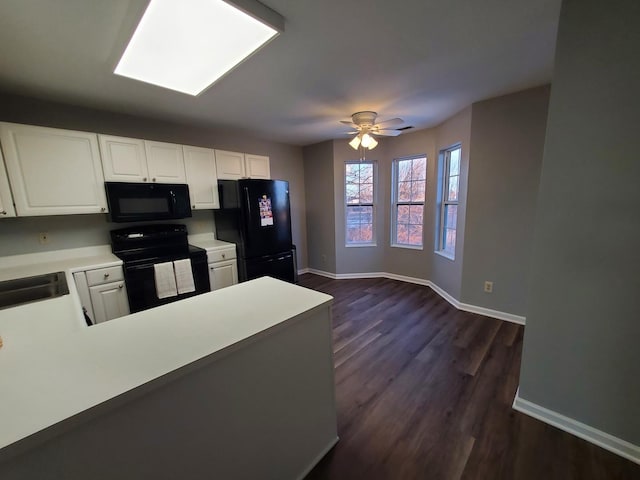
32	289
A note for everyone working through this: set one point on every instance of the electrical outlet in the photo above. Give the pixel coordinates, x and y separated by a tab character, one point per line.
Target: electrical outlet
488	286
43	237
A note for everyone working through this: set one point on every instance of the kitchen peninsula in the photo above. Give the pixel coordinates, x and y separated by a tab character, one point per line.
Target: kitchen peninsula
236	383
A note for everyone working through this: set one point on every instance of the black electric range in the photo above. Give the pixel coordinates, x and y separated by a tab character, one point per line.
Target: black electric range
141	247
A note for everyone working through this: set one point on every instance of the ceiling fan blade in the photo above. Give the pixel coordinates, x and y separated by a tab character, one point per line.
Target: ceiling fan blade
350	133
351	124
387	133
390	123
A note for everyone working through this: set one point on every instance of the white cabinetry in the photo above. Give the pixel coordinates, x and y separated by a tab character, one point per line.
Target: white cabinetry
6	200
123	159
200	169
102	293
52	171
235	165
133	160
223	267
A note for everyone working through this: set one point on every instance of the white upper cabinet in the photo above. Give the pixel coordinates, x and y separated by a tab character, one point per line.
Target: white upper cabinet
235	165
200	168
53	171
6	200
165	162
123	159
257	166
230	165
134	160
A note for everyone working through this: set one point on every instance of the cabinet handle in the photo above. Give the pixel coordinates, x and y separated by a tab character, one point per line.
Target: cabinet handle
144	179
153	179
106	275
193	207
120	286
3	212
102	209
224	255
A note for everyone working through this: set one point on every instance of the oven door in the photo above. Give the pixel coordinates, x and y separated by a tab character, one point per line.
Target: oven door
135	202
141	284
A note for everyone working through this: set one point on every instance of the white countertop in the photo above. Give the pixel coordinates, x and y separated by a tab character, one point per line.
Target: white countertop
48	374
209	242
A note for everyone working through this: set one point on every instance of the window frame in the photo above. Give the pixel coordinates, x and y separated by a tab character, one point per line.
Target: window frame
445	180
373	203
395	203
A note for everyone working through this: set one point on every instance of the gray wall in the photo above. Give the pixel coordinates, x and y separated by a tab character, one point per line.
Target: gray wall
507	142
581	355
447	273
321	225
357	259
398	260
286	164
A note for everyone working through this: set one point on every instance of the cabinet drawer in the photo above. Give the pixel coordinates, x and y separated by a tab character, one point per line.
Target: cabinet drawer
220	255
104	275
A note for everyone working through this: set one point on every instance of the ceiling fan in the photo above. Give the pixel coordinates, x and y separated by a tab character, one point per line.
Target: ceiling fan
366	127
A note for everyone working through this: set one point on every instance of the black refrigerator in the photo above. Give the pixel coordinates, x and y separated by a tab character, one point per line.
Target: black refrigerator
255	215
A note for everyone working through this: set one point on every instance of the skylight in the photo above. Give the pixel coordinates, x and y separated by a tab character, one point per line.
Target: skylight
187	45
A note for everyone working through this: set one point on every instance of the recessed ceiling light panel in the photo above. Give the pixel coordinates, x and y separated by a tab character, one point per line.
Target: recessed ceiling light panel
187	45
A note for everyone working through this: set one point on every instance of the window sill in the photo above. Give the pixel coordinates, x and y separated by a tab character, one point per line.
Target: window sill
408	247
445	255
359	245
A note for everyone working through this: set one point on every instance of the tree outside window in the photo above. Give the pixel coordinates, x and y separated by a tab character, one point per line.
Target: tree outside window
359	189
409	181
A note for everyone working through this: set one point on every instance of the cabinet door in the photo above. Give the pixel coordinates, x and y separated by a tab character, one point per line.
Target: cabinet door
109	301
200	168
82	287
123	159
6	200
165	162
230	165
223	274
257	166
52	171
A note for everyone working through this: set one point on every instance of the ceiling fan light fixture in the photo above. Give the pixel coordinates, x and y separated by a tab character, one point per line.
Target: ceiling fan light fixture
373	143
355	143
366	140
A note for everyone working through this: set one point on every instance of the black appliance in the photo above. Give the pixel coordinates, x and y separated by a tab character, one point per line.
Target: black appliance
143	246
255	215
135	202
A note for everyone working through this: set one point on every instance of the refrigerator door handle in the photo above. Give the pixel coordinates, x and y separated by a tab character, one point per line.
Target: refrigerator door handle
246	195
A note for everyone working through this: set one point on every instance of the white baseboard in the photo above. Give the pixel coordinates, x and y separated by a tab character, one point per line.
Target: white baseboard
302	271
597	437
487	312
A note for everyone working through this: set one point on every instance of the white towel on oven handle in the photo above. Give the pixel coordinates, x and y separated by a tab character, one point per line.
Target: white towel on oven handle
184	276
165	280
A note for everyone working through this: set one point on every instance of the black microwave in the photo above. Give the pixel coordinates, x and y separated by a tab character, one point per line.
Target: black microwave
135	202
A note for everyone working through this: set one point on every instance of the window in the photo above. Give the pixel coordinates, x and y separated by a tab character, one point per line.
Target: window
409	184
449	204
359	189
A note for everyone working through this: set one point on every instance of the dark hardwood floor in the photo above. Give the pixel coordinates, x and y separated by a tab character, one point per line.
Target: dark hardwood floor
424	391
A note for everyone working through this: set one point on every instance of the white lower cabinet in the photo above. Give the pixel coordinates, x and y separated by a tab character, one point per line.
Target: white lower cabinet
223	267
109	301
102	293
223	274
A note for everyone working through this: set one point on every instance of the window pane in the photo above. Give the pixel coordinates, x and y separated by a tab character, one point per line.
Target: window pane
417	191
353	173
450	216
454	165
366	214
415	214
404	191
415	235
404	170
366	193
403	214
352	193
419	169
453	188
366	233
402	234
449	240
366	173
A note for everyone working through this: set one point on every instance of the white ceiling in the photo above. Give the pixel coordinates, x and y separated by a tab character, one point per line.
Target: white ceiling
421	60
